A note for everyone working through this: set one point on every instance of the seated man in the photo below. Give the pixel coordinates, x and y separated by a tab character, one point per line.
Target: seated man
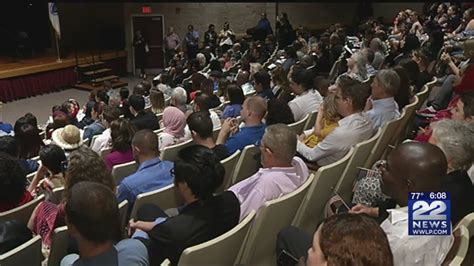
411	167
252	113
382	105
355	127
92	217
152	173
202	104
281	174
142	119
200	125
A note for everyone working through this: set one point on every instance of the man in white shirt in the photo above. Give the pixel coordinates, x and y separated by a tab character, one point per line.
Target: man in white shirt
411	167
103	140
381	106
355	127
307	100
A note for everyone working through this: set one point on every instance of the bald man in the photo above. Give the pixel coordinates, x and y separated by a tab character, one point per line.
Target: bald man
252	113
152	173
413	166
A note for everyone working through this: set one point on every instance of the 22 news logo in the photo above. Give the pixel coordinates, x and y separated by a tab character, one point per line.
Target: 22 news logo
429	213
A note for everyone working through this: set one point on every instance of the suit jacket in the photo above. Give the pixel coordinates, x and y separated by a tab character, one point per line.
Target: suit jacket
198	222
459	185
145	120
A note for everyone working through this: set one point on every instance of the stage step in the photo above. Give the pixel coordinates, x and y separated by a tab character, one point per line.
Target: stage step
102	79
90	65
97	71
89	87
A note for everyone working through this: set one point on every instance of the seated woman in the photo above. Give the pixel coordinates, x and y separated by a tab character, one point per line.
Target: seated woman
205	216
326	122
13	192
28	139
98	126
174	122
356	68
339	240
278	111
157	100
461	108
236	98
121	132
51	173
83	165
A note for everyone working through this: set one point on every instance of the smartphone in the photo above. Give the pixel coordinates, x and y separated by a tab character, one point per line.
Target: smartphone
286	259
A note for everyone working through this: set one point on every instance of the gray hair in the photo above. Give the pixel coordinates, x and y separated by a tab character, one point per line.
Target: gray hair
179	96
389	81
360	62
456	140
201	58
378	44
281	139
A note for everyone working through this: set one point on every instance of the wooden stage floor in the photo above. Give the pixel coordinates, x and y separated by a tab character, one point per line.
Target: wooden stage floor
10	67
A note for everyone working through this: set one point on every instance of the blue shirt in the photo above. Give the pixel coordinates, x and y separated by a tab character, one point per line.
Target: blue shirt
232	110
246	136
93	129
383	111
151	175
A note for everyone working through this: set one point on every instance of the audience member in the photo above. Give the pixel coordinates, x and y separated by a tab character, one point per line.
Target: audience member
174	122
83	165
142	119
326	121
307	99
29	141
121	134
152	173
200	125
157	100
411	167
262	85
97	127
281	174
354	127
179	99
236	98
252	113
204	216
13	192
404	94
278	112
103	140
68	137
202	104
381	106
92	218
341	239
13	234
9	145
51	173
454	138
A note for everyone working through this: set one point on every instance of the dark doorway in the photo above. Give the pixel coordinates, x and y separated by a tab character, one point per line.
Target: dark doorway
151	27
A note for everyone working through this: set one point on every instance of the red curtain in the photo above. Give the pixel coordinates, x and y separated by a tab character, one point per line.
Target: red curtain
34	84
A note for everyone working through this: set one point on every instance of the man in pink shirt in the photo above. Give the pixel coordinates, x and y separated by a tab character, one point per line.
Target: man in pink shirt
281	174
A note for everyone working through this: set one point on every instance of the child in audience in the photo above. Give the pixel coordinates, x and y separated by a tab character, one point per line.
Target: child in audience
326	122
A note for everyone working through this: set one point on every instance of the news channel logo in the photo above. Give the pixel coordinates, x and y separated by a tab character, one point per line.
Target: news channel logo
429	213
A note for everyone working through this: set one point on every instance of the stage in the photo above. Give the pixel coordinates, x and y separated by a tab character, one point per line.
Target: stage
21	78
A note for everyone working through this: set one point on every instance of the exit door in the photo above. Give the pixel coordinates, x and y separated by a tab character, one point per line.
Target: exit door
152	30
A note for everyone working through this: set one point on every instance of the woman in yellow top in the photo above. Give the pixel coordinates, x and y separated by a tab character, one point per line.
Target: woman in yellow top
326	122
